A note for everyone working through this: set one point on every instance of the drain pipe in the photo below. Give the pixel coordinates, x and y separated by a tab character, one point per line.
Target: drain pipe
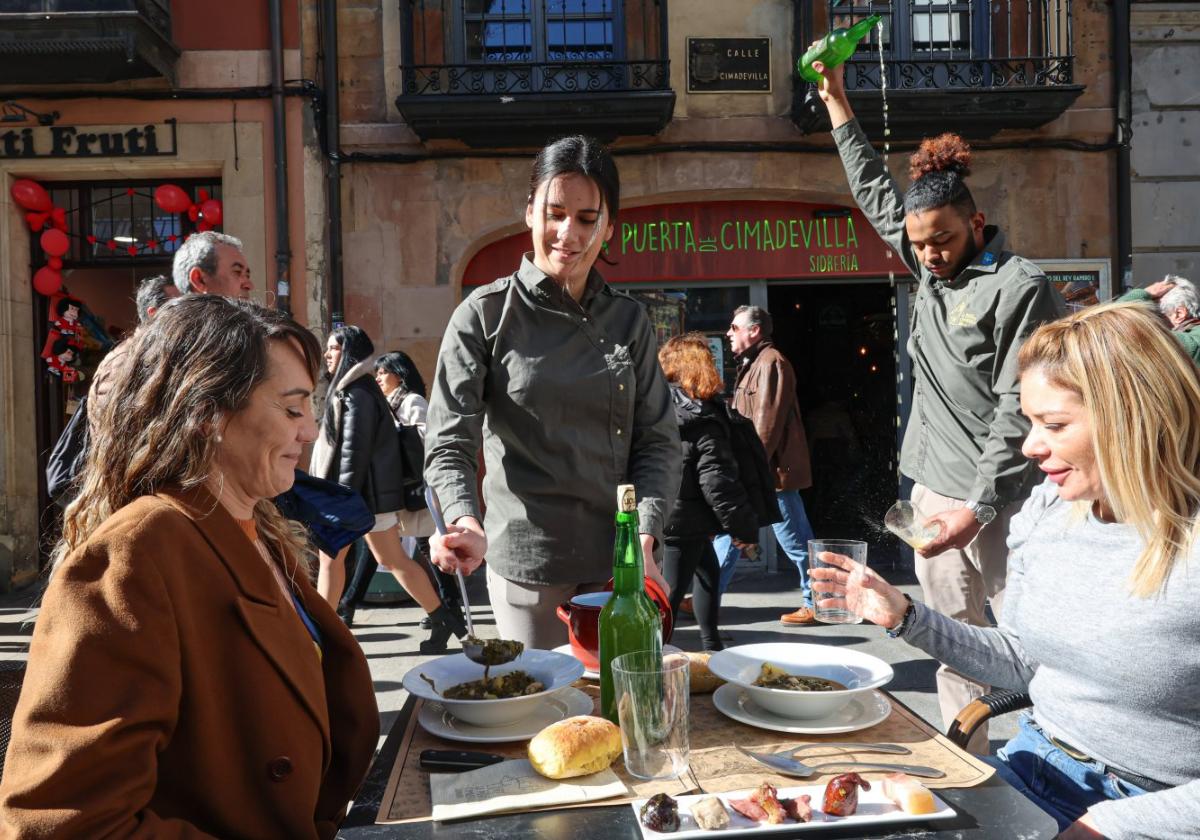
1122	61
283	246
333	153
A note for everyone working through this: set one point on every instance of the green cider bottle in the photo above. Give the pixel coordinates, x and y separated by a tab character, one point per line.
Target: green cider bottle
834	48
629	621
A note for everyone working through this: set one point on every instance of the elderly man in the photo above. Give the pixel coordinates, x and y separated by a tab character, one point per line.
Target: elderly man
212	263
1179	303
766	393
152	294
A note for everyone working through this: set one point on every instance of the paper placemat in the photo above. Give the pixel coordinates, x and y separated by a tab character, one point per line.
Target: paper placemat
407	796
719	768
716	767
514	786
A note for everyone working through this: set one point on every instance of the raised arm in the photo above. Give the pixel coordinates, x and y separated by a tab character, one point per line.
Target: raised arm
874	191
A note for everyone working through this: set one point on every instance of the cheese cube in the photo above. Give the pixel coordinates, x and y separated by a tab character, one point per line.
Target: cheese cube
912	796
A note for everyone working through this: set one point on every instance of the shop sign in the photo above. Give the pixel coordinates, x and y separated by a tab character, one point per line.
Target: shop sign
1081	282
70	141
722	240
729	65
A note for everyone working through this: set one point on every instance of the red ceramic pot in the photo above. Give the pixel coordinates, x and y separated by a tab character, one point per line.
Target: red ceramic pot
582	616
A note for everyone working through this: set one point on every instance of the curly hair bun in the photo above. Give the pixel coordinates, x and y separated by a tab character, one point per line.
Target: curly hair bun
945	153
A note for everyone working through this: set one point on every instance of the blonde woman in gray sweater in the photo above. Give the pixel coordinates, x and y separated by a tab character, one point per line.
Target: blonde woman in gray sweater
1100	624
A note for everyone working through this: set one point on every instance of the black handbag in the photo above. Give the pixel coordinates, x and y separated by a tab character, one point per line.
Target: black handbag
412	460
67	456
334	515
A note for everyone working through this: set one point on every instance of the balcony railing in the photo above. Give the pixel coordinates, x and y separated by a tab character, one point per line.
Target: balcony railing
73	41
507	72
985	64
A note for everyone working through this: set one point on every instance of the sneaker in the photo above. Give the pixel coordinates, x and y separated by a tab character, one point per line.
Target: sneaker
685	606
804	615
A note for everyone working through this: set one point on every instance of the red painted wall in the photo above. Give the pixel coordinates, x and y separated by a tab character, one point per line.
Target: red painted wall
231	24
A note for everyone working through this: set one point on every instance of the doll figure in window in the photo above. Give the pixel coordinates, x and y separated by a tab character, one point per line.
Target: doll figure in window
62	360
67	323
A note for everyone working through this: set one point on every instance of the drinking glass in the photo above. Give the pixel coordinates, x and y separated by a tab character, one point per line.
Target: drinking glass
907	521
652	706
828	609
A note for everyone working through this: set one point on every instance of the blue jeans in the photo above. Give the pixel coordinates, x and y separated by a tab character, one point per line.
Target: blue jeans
792	534
1060	785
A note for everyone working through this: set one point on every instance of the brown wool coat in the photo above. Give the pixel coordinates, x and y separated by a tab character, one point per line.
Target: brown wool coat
766	393
173	692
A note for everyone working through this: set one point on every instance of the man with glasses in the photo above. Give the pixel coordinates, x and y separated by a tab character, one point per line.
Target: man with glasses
766	394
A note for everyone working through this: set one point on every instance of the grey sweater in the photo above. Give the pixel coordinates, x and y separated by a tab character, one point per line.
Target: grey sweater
1113	675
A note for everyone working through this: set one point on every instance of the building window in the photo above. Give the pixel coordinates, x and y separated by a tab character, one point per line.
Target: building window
505	31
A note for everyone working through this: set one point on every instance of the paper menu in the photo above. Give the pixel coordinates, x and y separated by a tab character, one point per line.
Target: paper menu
514	786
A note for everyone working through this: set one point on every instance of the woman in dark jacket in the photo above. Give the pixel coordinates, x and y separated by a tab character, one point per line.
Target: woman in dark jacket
358	447
711	497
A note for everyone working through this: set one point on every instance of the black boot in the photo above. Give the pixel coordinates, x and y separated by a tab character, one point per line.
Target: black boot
445	621
345	612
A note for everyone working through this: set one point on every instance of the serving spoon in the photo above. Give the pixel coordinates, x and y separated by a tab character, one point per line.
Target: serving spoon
782	763
485	652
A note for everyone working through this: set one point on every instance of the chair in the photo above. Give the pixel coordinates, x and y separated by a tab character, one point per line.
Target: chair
12	673
978	711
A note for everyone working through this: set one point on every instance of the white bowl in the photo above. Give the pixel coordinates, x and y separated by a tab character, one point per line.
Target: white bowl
554	670
859	672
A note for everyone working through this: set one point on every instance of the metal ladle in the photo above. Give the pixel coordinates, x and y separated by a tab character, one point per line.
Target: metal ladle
485	652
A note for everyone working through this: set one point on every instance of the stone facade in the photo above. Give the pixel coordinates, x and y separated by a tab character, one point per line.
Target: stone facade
1165	154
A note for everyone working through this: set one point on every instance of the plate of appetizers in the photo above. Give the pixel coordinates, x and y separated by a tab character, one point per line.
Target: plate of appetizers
845	801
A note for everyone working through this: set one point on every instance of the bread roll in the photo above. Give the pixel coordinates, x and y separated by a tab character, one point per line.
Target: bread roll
703	680
576	746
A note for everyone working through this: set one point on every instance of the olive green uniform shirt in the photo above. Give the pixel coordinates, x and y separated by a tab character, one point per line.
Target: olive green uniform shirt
964	435
569	402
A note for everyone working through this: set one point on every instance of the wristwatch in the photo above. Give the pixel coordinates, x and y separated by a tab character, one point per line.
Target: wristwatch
983	513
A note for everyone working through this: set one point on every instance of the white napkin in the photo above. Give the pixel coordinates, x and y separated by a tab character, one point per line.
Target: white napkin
514	786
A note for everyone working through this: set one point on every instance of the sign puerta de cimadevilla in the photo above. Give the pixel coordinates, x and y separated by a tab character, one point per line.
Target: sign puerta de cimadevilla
721	240
68	141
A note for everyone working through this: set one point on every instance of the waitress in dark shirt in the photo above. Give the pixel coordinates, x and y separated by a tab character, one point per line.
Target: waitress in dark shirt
563	369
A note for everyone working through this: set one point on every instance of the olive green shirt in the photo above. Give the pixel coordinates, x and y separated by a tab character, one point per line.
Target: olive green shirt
966	428
1188	335
569	402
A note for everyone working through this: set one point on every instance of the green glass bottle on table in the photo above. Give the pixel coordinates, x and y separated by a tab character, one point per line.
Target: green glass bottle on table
834	48
629	621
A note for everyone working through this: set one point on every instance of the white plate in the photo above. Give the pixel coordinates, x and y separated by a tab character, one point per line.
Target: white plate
565	703
595	675
863	711
873	809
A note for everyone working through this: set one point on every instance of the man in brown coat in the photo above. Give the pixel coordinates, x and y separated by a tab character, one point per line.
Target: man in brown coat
766	393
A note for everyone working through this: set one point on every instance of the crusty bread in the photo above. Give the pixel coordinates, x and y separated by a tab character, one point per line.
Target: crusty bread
576	746
703	680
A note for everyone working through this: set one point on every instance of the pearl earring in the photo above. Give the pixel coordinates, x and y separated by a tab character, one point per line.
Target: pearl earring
219	438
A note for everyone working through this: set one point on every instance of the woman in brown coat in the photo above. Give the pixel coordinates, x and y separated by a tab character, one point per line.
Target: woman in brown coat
184	678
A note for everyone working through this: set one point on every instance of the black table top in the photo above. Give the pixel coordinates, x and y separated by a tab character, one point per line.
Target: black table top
991	810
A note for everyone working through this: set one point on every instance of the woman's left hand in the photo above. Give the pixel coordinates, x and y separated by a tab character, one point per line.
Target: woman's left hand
1082	829
652	570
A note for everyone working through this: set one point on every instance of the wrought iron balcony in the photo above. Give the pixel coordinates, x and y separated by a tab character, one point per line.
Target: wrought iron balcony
514	72
73	41
974	67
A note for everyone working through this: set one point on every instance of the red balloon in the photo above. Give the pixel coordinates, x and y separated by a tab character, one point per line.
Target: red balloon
30	195
47	281
55	263
172	198
55	242
211	211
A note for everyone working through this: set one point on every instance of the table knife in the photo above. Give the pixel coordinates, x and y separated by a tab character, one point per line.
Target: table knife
457	761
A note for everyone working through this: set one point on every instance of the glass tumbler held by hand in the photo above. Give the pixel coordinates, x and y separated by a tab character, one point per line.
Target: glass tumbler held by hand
908	522
828	609
652	707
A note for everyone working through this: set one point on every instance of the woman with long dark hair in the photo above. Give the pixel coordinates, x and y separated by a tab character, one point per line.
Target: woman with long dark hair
185	679
358	447
563	370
